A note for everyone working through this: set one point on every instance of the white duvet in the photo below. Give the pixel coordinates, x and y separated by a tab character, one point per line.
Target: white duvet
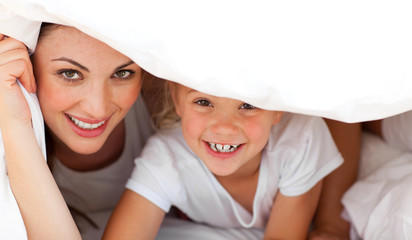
375	204
347	60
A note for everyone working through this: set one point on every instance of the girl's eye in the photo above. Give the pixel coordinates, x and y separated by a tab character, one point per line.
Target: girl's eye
247	106
203	102
123	74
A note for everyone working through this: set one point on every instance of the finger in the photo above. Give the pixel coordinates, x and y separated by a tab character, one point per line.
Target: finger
13	105
12	71
9	73
1	36
11	43
27	80
20	70
14	54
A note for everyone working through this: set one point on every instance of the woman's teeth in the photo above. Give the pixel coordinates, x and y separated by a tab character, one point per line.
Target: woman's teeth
84	125
223	148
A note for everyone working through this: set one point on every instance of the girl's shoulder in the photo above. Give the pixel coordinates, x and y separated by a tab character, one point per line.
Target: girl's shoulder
168	143
297	126
169	136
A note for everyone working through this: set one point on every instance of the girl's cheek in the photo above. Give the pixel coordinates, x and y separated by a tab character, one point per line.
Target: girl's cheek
257	129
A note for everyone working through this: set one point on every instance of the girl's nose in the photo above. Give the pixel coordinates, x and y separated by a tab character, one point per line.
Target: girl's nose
225	123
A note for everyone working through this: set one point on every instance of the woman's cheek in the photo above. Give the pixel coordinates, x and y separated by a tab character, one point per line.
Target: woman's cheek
57	97
126	97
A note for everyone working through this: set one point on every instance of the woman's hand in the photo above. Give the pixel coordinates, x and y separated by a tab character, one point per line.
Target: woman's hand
14	63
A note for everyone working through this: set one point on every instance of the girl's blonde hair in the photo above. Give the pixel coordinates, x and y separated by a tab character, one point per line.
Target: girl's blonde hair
166	115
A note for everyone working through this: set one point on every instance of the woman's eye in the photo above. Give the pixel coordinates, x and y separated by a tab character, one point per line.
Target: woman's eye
70	75
247	106
123	74
203	102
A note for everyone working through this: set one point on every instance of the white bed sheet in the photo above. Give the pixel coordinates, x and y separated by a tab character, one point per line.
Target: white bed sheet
378	204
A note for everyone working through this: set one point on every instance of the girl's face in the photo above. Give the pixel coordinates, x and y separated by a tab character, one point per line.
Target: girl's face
227	134
85	88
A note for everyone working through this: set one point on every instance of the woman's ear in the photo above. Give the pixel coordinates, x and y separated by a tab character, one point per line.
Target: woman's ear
278	117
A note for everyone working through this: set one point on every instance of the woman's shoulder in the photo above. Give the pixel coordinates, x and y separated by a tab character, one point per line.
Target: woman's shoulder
138	115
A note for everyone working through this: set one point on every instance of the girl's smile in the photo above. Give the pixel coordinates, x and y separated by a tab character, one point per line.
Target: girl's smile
223	151
228	135
223	148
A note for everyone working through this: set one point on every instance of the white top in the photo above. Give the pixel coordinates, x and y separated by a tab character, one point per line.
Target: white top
95	193
300	152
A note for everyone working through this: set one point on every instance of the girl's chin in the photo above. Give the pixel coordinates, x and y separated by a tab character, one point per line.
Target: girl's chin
220	171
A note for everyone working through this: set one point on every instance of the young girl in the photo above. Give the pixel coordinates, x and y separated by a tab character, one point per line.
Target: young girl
228	164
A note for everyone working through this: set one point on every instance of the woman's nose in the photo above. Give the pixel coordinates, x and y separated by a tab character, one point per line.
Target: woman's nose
96	102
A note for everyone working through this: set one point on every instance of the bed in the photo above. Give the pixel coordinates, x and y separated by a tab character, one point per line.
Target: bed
349	61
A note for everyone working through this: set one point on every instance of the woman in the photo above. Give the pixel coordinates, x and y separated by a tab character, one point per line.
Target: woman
85	90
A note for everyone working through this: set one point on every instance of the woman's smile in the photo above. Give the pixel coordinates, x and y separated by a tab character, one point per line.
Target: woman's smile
86	127
84	89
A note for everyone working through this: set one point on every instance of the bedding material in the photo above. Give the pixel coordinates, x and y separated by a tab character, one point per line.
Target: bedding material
348	60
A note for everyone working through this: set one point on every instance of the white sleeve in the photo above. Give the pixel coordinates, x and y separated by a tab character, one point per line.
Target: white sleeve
155	176
314	156
397	131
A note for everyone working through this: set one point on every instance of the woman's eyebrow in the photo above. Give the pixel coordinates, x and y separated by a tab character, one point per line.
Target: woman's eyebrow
123	66
64	59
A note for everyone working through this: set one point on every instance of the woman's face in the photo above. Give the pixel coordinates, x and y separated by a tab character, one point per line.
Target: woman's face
85	88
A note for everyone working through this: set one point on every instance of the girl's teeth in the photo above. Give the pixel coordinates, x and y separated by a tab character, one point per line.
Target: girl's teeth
84	125
223	148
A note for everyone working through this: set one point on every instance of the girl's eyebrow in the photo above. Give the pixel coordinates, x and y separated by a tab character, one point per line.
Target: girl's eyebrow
65	59
123	65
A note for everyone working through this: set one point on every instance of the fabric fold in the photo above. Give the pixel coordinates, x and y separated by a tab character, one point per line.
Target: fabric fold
305	57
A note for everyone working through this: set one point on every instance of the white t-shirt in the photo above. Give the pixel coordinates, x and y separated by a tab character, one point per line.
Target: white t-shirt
96	193
299	153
